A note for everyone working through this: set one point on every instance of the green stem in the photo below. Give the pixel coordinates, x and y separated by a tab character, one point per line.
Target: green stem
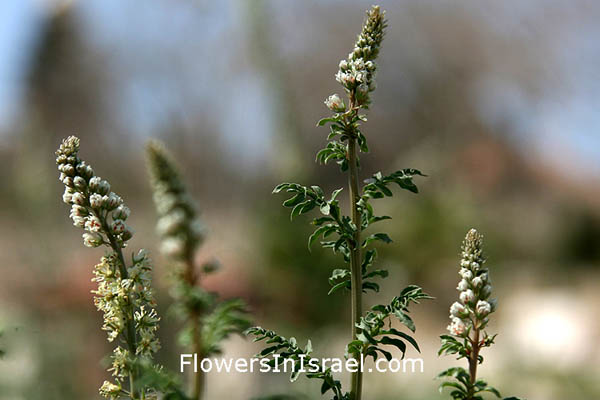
197	385
473	361
130	334
355	263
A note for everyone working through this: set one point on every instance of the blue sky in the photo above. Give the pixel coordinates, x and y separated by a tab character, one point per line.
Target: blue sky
564	125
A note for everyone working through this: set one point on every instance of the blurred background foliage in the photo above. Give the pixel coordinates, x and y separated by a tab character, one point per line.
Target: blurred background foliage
496	101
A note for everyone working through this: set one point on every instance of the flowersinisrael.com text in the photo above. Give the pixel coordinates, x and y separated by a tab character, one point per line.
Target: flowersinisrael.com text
275	364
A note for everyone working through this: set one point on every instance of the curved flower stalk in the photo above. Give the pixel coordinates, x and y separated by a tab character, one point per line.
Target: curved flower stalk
124	293
468	319
370	332
207	321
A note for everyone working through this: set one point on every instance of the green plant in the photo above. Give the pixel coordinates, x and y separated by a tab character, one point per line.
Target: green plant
206	320
370	332
124	292
469	317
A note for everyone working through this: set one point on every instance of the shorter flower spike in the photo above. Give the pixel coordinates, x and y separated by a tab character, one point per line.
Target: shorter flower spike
180	230
468	318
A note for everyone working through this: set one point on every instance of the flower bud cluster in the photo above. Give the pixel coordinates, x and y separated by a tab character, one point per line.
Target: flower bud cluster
178	226
474	305
100	212
357	72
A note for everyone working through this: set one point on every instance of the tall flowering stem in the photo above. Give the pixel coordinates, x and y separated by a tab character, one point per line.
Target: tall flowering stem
206	320
124	293
469	316
356	74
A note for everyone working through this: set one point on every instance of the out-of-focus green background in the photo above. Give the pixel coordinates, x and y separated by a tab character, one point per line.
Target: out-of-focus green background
498	102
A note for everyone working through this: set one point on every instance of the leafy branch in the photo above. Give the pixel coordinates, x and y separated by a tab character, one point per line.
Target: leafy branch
288	350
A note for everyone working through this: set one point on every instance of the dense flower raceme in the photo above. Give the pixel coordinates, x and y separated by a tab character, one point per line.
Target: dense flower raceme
474	305
357	73
469	317
124	291
180	230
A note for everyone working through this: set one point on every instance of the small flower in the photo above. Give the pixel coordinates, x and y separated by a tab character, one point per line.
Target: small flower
465	273
92	239
483	308
78	211
78	198
335	103
122	212
140	256
85	170
128	233
67	169
457	309
457	327
358	64
68	195
78	221
467	296
110	390
96	201
93	224
463	285
99	185
79	183
111	201
68	181
118	227
477	281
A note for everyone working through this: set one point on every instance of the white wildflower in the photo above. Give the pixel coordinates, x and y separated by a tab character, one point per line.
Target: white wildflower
463	285
457	309
93	224
118	226
68	195
467	296
335	103
92	239
122	212
78	198
483	308
465	273
457	327
111	201
96	201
